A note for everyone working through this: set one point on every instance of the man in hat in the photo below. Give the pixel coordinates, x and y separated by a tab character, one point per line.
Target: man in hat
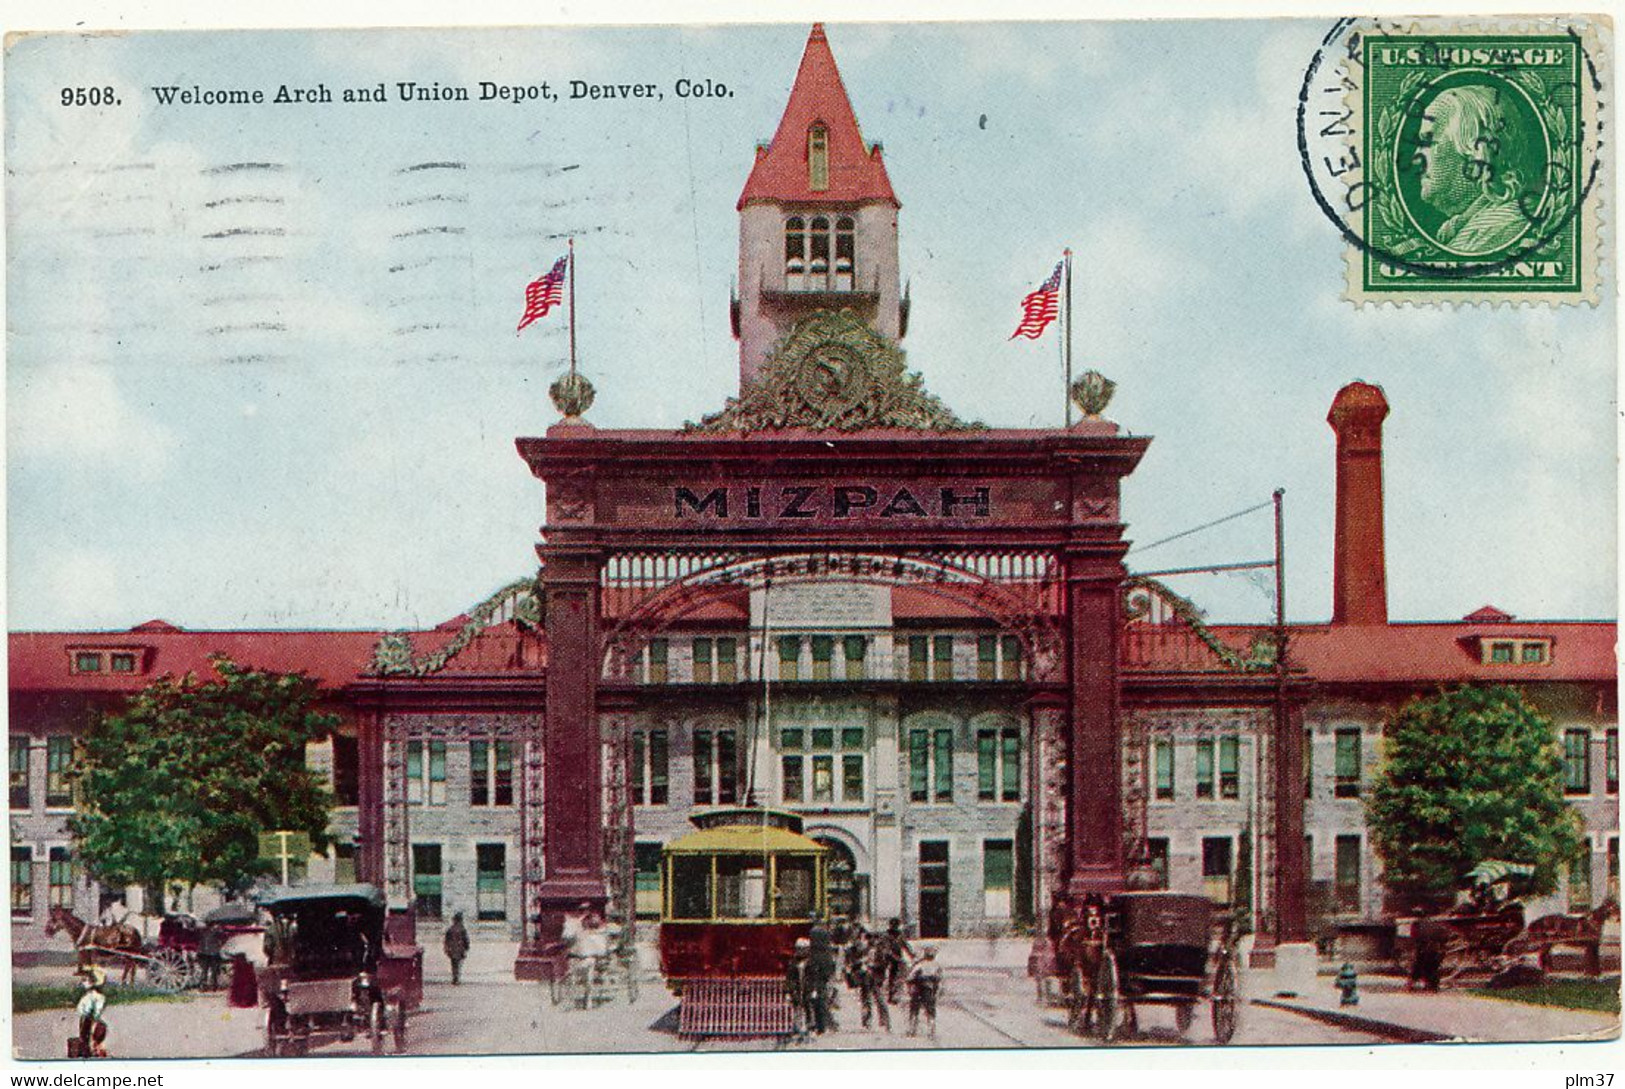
894	957
798	987
92	1028
924	981
456	946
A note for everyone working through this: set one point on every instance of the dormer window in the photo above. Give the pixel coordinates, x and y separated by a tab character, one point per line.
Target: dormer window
122	663
1515	651
818	158
85	662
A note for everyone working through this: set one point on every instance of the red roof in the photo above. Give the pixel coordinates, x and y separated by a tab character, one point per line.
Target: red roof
856	173
40	660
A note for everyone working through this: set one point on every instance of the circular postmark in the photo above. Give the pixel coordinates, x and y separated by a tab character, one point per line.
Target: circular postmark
1455	154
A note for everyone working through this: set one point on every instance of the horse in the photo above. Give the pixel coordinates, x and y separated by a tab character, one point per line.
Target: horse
112	939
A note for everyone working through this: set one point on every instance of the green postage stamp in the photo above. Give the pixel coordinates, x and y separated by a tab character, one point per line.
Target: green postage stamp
1480	160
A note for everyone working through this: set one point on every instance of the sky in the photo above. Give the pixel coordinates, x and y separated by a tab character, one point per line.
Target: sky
285	395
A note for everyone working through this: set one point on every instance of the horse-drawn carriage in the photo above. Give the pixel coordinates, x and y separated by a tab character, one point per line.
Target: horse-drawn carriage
336	970
175	960
1134	949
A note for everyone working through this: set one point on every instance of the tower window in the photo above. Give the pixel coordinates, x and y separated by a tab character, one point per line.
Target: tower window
844	248
818	159
818	266
795	254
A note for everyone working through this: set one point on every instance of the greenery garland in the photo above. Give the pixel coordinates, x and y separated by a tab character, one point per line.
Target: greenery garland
393	657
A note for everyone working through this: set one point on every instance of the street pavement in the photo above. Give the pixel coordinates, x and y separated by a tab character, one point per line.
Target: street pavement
987	1002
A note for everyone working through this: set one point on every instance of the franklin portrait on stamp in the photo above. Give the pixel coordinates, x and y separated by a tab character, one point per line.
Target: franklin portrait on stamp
1472	154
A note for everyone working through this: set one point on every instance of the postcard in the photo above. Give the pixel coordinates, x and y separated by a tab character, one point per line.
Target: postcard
812	536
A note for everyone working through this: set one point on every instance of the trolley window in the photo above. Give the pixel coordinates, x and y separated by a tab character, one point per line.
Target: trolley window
795	888
742	888
691	887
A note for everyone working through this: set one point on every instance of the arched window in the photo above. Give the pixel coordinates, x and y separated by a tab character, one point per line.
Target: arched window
818	263
795	254
818	158
844	248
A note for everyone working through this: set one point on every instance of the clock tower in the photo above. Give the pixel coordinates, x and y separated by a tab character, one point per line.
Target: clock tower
817	222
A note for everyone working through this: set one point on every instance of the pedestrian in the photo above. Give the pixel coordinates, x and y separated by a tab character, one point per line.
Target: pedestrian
821	976
871	985
1428	941
797	988
924	982
92	1039
208	957
896	955
456	947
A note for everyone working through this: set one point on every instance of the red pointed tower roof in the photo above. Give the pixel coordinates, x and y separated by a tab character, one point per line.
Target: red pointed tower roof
855	171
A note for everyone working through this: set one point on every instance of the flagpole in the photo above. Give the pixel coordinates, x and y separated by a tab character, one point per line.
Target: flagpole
1066	343
572	254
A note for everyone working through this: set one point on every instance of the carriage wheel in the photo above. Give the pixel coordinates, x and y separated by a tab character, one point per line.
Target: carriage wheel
1077	1000
397	1022
375	1026
1184	1017
167	970
1100	1019
1224	1002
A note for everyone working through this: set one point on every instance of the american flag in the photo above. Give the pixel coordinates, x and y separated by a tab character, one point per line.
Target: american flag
544	294
1039	308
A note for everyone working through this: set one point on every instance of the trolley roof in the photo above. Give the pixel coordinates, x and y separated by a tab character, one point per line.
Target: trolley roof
744	839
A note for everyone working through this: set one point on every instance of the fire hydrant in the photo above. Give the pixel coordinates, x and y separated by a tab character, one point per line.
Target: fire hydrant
1349	983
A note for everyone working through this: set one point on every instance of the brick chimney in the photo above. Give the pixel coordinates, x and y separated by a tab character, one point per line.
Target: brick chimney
1359	574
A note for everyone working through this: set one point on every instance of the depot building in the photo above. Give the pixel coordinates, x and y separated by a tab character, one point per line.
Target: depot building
836	597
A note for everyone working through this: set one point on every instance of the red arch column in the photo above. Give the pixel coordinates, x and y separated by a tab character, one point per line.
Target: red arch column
1094	745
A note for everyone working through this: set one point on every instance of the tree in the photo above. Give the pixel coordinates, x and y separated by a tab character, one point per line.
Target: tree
1470	775
177	785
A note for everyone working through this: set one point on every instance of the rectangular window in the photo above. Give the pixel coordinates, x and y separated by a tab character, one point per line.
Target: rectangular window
930	765
344	863
22	881
823	779
1010	658
792	765
856	651
426	772
1348	764
1613	868
346	770
650	773
823	652
942	658
1348	874
1204	769
655	654
1309	858
19	773
1229	767
427	882
1216	882
919	657
490	773
789	657
87	663
1500	653
122	663
491	881
727	661
716	767
853	770
998	877
1532	653
987	657
1611	762
1579	873
646	879
61	877
704	762
1157	851
1164	758
704	660
998	765
1309	763
1577	761
58	762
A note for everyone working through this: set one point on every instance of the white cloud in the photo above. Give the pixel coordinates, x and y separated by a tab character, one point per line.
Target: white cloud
84	586
78	412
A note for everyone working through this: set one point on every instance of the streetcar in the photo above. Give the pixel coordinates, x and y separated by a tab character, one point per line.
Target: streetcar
736	894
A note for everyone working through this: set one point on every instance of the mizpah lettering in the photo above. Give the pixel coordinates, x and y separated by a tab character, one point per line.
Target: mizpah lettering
840	502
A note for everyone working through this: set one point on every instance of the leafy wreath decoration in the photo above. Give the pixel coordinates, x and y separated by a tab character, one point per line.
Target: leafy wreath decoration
393	657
